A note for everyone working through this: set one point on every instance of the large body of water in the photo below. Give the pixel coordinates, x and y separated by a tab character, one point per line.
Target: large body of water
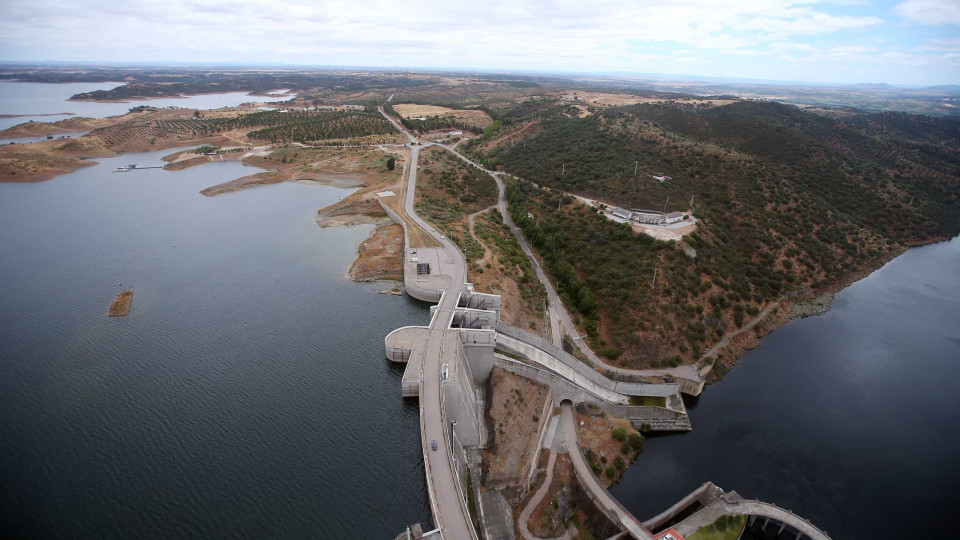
36	99
851	419
245	396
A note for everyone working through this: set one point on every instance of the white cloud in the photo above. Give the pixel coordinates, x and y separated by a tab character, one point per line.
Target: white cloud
608	35
932	12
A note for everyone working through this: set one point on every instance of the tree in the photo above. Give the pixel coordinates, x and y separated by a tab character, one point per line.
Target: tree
391	163
620	434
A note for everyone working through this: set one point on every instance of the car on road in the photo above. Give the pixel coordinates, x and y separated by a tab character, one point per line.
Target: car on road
442	237
433	444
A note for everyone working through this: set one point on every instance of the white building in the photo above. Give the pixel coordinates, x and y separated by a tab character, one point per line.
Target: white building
674	217
647	217
621	213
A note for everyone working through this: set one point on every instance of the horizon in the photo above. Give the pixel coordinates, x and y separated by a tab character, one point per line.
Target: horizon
639	77
909	43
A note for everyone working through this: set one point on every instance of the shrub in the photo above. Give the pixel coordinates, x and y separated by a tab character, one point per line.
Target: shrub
619	434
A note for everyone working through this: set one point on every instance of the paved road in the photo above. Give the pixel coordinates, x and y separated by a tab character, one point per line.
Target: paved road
590	483
448	512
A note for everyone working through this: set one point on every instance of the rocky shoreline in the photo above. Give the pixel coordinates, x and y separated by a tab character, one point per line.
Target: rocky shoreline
807	304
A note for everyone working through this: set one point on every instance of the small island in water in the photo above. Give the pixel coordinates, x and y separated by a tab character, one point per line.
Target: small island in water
121	304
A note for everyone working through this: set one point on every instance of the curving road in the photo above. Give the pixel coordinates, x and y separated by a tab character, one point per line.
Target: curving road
449	514
589	481
685	371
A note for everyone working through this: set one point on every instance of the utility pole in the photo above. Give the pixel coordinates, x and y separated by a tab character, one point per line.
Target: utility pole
635	165
691	202
665	204
563	168
654	283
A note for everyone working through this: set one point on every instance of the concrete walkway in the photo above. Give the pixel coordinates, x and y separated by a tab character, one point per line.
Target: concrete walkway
589	482
537	497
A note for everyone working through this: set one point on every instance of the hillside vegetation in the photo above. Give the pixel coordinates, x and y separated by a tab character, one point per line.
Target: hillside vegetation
788	202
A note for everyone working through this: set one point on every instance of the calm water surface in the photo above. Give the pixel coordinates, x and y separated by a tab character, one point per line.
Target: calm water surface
850	419
42	98
245	396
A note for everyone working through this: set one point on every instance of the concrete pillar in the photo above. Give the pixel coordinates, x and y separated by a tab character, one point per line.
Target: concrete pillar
799	534
765	521
751	519
782	525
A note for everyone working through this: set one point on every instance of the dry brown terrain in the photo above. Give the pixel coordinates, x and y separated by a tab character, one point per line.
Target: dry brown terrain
475	117
546	520
380	257
339	167
68	125
45	160
253	180
514	413
598	443
121	304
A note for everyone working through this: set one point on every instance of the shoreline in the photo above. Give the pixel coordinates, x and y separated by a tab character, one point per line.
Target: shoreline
811	305
31	115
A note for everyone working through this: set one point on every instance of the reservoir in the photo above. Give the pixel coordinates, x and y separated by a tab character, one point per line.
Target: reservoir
34	99
850	418
245	396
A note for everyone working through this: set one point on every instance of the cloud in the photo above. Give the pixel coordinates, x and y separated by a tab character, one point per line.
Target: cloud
930	12
731	37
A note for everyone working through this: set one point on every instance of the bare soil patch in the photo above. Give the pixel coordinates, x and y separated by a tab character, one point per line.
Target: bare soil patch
380	257
514	414
121	304
45	160
68	125
253	180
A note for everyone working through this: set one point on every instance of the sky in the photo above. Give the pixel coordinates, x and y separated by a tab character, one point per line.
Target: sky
903	42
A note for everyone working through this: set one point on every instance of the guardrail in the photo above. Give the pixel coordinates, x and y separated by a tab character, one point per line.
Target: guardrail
626	388
665	419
